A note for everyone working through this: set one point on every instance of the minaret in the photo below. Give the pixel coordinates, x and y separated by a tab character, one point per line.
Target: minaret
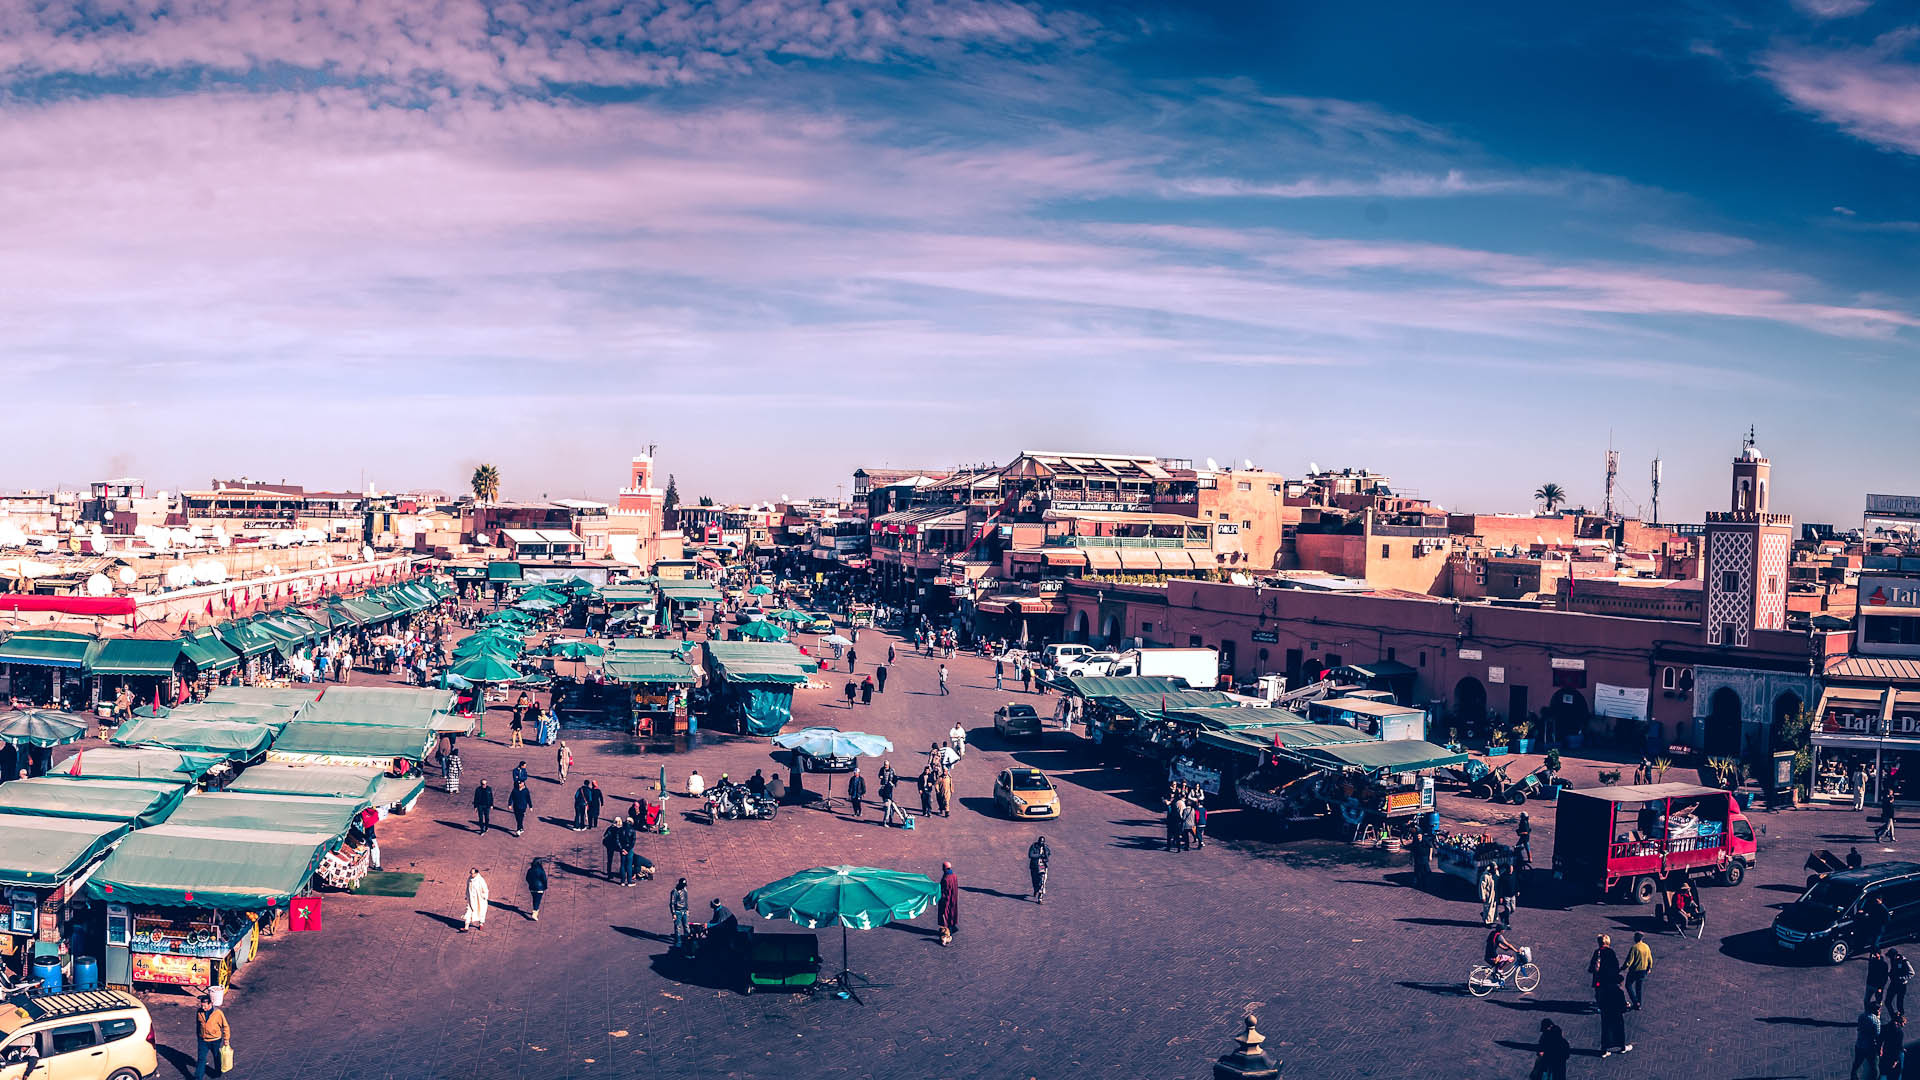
1747	549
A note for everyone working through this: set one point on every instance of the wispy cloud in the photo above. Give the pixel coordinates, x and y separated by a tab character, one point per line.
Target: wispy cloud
1871	93
1690	241
1449	184
1832	9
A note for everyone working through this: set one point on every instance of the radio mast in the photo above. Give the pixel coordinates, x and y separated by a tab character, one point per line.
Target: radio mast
1613	471
1656	490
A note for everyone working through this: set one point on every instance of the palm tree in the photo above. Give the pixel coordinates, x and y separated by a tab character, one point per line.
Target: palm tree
486	483
1551	495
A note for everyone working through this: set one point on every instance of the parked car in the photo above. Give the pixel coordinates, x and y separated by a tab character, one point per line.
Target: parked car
1054	655
749	614
1830	920
1014	720
1026	794
1093	663
87	1035
821	624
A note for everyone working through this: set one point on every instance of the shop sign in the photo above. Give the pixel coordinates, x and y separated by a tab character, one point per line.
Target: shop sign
1561	663
1226	529
1496	674
1894	505
1877	591
1471	654
1187	772
1402	801
1266	637
173	970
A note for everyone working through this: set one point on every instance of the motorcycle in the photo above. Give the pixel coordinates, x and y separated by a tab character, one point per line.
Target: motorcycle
738	802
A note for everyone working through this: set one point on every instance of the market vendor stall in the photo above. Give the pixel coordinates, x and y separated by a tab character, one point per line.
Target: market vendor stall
139	803
41	859
378	745
136	763
753	682
336	781
196	895
272	813
234	740
653	688
44	667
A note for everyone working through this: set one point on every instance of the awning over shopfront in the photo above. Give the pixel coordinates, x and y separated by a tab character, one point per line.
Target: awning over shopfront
205	651
1066	557
135	802
133	656
244	639
1178	560
688	594
1141	559
43	852
46	648
651	669
1397	756
1102	559
200	867
503	571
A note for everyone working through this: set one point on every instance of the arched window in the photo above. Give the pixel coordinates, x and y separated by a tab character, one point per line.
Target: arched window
1686	680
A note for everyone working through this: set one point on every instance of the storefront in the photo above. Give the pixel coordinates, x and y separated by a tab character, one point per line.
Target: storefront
1873	731
149	669
45	668
42	863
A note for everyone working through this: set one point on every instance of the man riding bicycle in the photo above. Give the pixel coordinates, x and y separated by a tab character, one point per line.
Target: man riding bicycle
1501	954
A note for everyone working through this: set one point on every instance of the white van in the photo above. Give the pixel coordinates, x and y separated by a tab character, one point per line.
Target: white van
1054	655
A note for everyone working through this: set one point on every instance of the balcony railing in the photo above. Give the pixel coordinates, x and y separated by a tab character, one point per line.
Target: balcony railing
1118	542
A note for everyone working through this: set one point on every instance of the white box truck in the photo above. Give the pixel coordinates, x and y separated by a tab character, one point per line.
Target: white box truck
1198	668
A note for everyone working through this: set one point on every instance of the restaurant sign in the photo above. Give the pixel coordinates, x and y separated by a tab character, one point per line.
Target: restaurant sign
173	970
1471	654
1563	663
1266	637
1878	591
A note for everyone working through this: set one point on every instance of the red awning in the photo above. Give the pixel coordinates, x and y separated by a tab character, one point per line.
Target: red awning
69	605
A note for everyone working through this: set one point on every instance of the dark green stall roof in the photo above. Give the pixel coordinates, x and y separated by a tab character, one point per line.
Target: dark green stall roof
271	812
135	763
324	740
205	650
337	781
1261	740
133	656
1396	756
200	867
233	739
46	648
245	640
136	802
1099	686
654	669
503	571
47	851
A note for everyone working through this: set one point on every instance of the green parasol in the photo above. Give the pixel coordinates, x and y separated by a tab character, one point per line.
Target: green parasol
760	590
485	668
41	727
861	897
574	650
759	631
792	615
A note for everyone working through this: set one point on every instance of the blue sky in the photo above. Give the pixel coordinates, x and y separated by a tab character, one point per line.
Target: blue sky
1463	245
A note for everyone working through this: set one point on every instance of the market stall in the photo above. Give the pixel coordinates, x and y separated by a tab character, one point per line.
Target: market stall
148	667
41	861
753	682
196	896
136	763
237	741
653	688
323	743
139	803
45	668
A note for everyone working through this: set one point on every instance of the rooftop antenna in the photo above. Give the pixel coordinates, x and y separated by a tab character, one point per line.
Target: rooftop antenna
1613	471
1656	488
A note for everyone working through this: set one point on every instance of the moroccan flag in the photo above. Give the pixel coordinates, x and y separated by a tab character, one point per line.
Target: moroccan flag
209	605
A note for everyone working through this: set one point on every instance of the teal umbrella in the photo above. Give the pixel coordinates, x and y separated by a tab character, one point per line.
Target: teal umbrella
449	681
40	727
861	897
760	590
759	631
486	647
574	650
792	615
485	668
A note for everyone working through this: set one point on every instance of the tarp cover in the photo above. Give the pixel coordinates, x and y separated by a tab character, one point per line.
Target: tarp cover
271	717
1098	686
352	782
764	709
136	763
1261	740
45	851
356	741
1396	756
133	656
290	697
205	650
46	648
274	813
136	802
657	669
237	740
380	706
200	867
398	790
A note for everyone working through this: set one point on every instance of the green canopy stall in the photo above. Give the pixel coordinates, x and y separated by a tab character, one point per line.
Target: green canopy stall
214	868
136	802
267	812
233	739
349	744
44	852
135	763
339	781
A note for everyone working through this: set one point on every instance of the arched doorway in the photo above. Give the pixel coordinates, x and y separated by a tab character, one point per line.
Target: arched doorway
1079	631
1722	735
1109	630
1469	706
1566	714
1785	708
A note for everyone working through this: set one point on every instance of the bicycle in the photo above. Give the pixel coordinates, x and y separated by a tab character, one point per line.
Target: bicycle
1524	976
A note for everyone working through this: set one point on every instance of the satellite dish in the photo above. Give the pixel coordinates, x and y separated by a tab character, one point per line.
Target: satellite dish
1313	466
1246	463
98	585
126	575
108	515
1212	464
217	570
366	553
1239	578
480	538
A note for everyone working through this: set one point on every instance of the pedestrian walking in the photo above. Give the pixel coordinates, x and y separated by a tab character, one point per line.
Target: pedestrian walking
1866	1045
563	758
536	886
521	774
1638	965
1489	897
1877	972
1884	834
880	674
1026	678
1523	841
582	795
1506	889
957	738
1551	1053
888	809
516	725
1612	1002
475	917
1039	856
677	906
1893	1047
1899	973
453	771
853	691
483	805
853	657
1422	851
943	793
926	789
1173	822
1199	804
214	1036
866	690
629	835
856	790
595	799
1186	824
943	680
519	800
1857	782
890	658
949	903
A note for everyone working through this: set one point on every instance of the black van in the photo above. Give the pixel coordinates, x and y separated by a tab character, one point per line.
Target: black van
1841	914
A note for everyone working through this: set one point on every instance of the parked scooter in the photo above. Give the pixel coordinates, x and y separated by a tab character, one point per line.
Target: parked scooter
735	801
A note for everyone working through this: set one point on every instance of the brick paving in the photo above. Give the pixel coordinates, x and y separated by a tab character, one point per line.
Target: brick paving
1138	966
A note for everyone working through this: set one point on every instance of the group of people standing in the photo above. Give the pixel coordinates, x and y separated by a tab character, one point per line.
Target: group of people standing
1880	1033
1186	816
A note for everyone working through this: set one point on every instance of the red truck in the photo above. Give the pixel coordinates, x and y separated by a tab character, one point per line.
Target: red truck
1620	841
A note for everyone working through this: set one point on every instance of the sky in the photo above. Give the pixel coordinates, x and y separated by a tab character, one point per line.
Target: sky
1470	246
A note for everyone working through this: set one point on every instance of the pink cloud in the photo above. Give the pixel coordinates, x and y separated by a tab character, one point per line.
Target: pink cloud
1872	94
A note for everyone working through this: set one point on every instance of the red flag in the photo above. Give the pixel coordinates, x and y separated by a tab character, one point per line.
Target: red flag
156	699
74	769
209	605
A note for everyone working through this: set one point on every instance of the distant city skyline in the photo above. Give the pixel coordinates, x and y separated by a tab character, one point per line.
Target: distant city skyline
1465	247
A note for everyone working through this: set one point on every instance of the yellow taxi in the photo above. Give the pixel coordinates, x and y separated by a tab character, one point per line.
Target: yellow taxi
1026	794
86	1035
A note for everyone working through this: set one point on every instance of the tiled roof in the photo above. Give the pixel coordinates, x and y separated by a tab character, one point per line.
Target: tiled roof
1884	668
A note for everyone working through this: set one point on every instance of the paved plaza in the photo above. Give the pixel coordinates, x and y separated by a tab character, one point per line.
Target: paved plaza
1139	966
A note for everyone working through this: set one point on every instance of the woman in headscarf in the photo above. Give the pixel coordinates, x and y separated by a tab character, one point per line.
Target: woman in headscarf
949	903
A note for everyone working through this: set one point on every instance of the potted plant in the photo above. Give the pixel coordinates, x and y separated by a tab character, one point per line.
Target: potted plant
1521	742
